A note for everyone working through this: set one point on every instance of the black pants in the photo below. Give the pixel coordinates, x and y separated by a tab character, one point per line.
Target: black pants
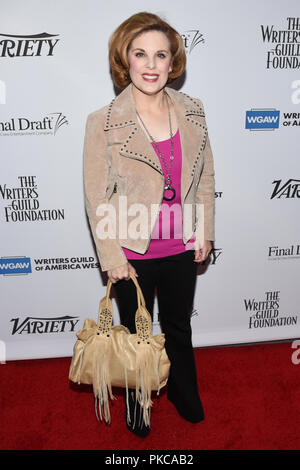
174	277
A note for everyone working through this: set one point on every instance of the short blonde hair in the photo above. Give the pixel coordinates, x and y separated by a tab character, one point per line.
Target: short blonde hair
123	36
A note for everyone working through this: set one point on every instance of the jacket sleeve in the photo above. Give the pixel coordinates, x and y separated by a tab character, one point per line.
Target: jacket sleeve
205	197
96	175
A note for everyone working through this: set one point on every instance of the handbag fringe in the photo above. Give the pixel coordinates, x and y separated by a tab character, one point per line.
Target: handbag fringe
102	381
126	382
143	380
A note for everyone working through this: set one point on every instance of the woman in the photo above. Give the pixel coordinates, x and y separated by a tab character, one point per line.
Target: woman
148	154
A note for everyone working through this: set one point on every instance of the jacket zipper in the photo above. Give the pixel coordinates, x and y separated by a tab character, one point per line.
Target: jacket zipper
161	199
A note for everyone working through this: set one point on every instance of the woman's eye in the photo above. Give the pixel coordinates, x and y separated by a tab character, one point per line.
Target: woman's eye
161	55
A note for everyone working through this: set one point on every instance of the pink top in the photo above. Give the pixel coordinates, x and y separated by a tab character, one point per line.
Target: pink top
166	237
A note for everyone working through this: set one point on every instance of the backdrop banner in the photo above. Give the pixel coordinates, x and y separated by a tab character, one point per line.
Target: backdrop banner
244	64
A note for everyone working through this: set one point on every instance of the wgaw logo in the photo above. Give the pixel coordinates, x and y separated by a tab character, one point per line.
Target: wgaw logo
15	45
15	265
262	119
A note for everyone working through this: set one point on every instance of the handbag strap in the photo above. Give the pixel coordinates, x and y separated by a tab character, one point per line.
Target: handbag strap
140	297
143	321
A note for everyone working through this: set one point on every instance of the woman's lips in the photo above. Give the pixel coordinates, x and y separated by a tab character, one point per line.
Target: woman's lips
149	77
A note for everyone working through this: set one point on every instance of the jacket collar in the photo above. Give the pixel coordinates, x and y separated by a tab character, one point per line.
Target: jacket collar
121	110
193	131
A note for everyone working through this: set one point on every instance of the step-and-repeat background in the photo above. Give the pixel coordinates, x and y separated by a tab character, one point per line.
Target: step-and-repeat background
243	62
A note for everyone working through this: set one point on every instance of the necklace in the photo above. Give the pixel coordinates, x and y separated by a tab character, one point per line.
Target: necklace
168	181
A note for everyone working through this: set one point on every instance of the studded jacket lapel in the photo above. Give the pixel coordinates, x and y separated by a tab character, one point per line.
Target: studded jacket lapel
191	122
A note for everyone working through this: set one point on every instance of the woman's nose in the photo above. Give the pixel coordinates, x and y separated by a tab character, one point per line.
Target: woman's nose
151	62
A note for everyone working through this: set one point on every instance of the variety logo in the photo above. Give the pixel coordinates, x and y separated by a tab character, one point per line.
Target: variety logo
262	119
15	265
215	253
191	39
33	325
47	125
289	189
34	45
265	313
194	313
285	51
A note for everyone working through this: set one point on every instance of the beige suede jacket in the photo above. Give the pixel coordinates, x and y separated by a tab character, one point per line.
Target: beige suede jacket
123	175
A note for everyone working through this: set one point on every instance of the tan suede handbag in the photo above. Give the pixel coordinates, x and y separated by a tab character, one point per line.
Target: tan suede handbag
106	356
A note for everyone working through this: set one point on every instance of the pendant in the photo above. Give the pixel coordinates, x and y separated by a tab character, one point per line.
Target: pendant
168	188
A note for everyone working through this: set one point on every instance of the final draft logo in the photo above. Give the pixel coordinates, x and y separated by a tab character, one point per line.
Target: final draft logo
265	313
276	252
32	45
46	125
37	325
191	39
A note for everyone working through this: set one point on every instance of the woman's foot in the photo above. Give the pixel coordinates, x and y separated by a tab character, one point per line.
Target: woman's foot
136	424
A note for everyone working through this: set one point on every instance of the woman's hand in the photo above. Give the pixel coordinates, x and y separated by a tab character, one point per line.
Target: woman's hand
122	272
202	253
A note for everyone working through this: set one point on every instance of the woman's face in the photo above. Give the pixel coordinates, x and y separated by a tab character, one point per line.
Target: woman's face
150	61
